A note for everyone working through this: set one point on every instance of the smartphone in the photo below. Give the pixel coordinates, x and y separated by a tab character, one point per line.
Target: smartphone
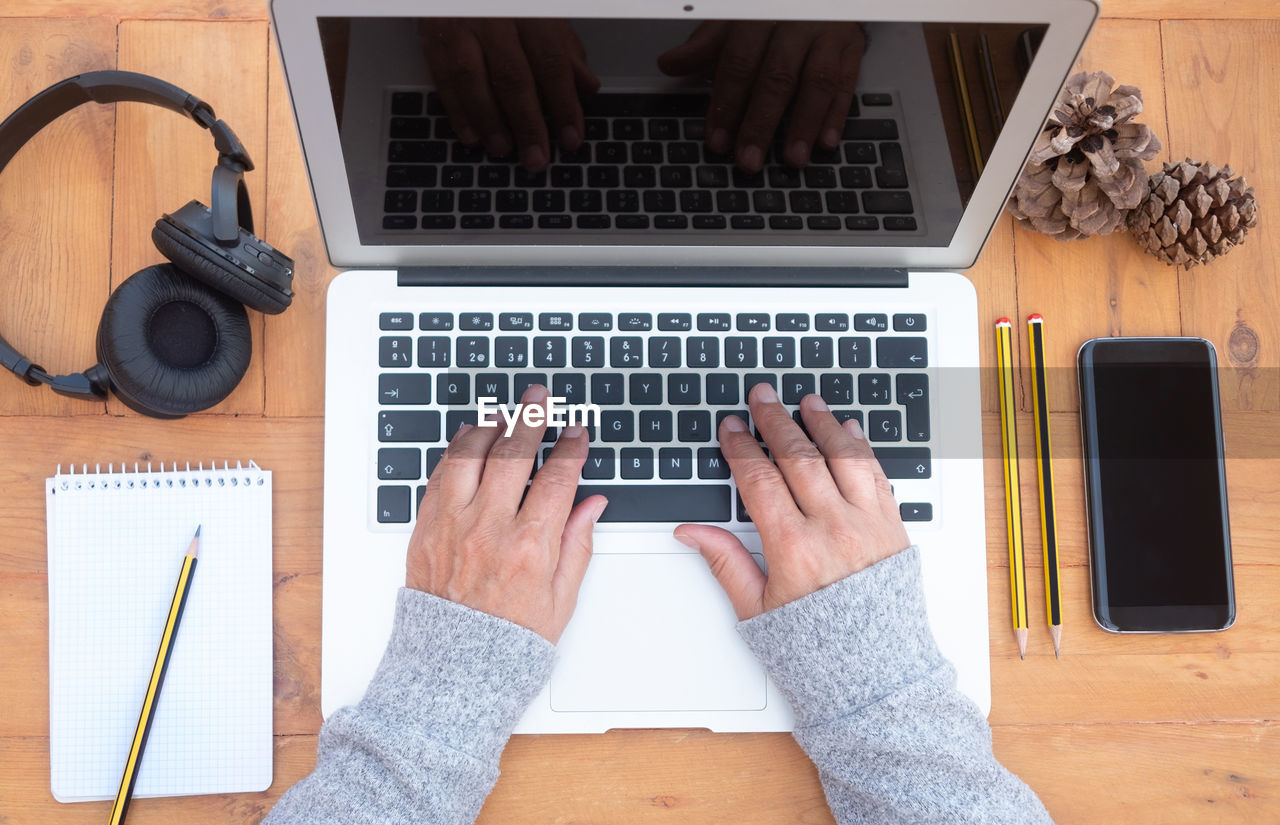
1155	485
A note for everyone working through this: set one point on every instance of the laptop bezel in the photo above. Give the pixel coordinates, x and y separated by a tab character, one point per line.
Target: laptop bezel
298	36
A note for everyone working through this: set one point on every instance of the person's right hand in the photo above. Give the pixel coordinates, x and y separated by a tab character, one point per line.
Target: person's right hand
502	80
825	510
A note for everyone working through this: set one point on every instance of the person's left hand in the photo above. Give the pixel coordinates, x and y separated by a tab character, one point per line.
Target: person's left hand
761	69
476	544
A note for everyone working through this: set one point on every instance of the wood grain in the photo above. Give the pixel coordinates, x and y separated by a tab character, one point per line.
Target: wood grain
997	296
164	160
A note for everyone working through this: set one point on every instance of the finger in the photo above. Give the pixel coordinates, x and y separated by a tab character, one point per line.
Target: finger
575	556
468	78
460	470
548	46
550	496
698	53
819	85
510	461
732	565
802	466
850	63
736	68
884	490
513	84
774	87
437	36
760	484
847	457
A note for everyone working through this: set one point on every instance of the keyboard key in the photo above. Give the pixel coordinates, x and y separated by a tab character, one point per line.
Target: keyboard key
909	322
597	128
512	352
855	177
893	352
778	353
769	200
477	222
395	351
884	425
837	388
493	387
709	222
804	202
860	153
399	463
660	502
472	352
637	463
664	129
722	388
873	388
548	200
515	320
567	177
621	200
870	129
434	454
871	321
887	202
572	388
555	320
862	223
675	463
646	389
437	200
529	180
842	203
670	222
416	151
712	177
393	504
555	221
916	511
433	351
476	320
877	99
796	385
913	394
495	177
752	378
607	388
904	462
515	221
855	353
466	154
899	223
823	222
816	353
580	155
752	321
406	103
844	415
595	321
453	388
664	353
786	222
408	425
675	177
617	425
659	200
399	222
638	321
683	389
732	200
626	351
740	353
711	463
747	222
475	200
721	415
600	463
820	177
655	425
784	177
549	351
631	221
522	381
792	322
400	200
603	177
611	152
457	177
747	180
892	173
587	351
585	200
713	322
703	353
455	419
694	425
694	200
404	388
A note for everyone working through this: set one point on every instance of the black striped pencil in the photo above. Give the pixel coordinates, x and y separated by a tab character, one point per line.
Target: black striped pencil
1044	467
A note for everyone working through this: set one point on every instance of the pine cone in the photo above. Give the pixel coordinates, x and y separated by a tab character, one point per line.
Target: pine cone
1085	171
1195	212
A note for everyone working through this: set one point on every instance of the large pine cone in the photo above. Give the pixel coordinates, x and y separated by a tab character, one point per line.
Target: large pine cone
1195	212
1085	171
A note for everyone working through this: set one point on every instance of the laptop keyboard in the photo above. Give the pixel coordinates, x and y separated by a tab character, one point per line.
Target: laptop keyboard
645	166
662	380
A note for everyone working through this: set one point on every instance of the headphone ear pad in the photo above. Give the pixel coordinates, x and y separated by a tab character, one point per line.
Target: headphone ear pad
197	262
170	345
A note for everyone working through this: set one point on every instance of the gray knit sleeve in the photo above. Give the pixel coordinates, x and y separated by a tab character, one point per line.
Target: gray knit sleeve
877	708
423	744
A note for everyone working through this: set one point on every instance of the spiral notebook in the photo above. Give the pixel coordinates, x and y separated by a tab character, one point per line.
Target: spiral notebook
116	543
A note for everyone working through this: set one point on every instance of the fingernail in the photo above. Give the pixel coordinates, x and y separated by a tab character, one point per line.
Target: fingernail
534	157
855	429
765	393
534	393
600	508
575	431
497	145
569	137
734	424
830	138
814	402
719	141
687	541
752	157
469	136
464	429
799	152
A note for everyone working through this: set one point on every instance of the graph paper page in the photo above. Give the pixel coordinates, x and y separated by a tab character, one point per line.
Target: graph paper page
116	544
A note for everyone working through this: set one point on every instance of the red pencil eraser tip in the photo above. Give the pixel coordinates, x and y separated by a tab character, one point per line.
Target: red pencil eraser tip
1003	321
1035	316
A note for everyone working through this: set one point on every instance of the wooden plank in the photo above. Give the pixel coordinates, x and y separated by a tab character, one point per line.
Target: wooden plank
1191	9
1099	286
163	160
1223	109
293	355
993	277
55	248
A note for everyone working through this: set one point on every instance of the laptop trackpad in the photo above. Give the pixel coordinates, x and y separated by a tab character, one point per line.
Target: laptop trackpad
654	632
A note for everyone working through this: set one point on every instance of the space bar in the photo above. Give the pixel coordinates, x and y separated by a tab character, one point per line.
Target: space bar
661	502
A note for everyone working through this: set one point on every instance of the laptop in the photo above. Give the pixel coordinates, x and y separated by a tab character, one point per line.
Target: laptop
748	194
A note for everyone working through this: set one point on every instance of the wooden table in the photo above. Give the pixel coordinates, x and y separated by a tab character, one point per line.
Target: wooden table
1123	729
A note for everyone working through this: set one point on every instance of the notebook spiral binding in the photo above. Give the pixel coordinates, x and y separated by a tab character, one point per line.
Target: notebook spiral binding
151	478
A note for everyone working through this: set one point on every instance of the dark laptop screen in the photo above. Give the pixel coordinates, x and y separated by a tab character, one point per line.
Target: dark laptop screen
517	131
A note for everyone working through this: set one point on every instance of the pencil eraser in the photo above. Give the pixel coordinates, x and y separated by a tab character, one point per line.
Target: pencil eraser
1003	321
1035	316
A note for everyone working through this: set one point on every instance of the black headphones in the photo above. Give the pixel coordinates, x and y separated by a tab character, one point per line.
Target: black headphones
174	338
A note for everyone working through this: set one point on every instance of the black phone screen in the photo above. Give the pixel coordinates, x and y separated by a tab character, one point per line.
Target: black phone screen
1159	534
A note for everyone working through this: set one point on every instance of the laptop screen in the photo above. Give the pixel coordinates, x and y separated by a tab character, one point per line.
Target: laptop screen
517	131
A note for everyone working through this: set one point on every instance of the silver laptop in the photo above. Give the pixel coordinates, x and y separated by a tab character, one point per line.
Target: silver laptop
706	208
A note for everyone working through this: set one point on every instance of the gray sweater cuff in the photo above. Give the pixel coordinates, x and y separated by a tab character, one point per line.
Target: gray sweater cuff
457	676
850	644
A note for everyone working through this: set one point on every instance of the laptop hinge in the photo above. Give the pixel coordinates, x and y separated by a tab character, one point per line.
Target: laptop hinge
663	276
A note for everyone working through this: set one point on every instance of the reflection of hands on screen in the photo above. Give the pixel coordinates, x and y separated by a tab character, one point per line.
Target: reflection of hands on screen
503	81
760	69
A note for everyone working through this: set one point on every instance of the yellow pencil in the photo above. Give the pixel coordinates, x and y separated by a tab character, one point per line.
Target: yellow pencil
1044	468
1012	501
157	680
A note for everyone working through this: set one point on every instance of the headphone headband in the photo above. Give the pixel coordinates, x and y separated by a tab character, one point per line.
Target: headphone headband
229	201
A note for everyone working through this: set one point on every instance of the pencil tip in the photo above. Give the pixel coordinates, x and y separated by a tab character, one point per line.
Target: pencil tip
198	528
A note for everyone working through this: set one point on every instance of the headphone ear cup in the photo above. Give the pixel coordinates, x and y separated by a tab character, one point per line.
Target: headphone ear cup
199	263
170	345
